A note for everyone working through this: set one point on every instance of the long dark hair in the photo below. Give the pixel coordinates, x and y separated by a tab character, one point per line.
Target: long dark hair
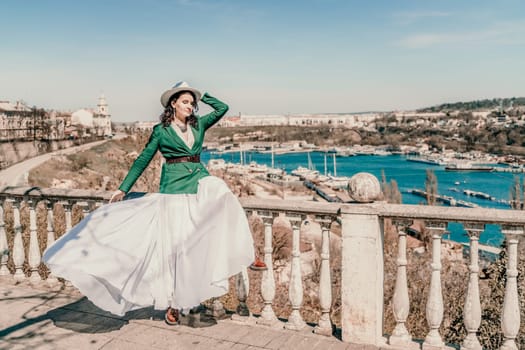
169	112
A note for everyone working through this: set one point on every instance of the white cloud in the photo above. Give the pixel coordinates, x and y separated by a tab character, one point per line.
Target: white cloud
414	16
200	4
505	33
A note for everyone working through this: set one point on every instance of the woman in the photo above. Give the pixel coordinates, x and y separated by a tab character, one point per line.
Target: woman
172	249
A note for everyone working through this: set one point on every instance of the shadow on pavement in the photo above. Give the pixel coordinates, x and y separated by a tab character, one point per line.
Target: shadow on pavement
84	317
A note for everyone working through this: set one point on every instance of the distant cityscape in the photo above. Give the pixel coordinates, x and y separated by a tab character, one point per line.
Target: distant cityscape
19	122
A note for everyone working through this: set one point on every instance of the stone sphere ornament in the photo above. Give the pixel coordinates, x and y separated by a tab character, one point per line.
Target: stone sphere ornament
364	188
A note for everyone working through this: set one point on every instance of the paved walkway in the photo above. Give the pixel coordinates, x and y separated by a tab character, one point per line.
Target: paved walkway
16	175
42	317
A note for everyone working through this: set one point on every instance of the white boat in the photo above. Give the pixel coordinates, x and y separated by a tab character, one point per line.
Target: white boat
381	152
336	182
305	173
254	167
345	153
467	166
427	160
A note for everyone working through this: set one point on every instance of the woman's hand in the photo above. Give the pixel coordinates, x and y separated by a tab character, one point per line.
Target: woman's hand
117	196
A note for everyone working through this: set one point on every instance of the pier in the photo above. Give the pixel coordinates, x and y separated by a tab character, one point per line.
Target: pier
447	200
509	170
479	195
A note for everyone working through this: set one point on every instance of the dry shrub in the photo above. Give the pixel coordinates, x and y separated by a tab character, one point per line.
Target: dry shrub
257	229
100	168
41	231
79	161
493	292
454	279
282	247
282	240
236	183
275	191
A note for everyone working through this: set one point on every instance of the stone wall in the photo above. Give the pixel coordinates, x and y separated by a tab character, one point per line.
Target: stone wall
14	152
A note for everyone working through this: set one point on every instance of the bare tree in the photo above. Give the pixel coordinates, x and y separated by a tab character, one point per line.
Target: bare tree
431	187
390	190
516	195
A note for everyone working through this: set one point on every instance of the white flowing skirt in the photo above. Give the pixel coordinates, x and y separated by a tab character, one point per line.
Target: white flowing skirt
161	249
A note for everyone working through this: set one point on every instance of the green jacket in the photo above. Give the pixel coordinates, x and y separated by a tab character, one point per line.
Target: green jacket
176	177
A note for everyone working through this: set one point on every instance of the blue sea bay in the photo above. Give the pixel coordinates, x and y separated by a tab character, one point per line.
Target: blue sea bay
408	175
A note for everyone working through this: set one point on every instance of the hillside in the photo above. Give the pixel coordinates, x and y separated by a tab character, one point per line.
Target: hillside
476	105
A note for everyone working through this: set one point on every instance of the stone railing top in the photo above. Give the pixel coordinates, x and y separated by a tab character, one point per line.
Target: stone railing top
382	209
53	194
300	207
438	213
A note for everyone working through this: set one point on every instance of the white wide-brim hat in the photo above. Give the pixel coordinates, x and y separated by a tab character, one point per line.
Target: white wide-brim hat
180	86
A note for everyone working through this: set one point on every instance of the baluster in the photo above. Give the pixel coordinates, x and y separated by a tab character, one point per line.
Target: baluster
84	206
472	310
325	280
401	302
295	293
51	279
242	287
434	310
68	216
4	248
268	317
92	206
217	309
34	258
510	320
18	245
67	209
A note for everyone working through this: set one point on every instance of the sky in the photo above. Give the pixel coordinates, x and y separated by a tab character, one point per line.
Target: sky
261	57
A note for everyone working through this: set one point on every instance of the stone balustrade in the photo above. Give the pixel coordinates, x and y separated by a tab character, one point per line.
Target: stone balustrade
362	266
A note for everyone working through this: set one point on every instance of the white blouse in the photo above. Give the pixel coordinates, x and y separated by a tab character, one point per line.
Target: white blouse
186	136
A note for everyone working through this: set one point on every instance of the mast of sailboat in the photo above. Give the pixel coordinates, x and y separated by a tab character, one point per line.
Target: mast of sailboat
272	158
240	154
335	166
310	165
325	166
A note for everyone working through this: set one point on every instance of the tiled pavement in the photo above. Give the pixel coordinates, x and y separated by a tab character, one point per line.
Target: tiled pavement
42	317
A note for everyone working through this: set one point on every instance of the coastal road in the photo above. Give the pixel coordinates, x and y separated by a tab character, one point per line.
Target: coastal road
16	175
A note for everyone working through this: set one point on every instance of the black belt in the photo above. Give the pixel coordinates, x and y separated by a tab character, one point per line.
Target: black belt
191	159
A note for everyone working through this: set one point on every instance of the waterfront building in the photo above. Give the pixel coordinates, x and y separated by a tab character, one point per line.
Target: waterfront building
14	120
332	119
57	125
145	125
230	121
19	122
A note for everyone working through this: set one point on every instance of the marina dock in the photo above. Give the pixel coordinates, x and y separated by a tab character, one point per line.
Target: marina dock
447	200
509	170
